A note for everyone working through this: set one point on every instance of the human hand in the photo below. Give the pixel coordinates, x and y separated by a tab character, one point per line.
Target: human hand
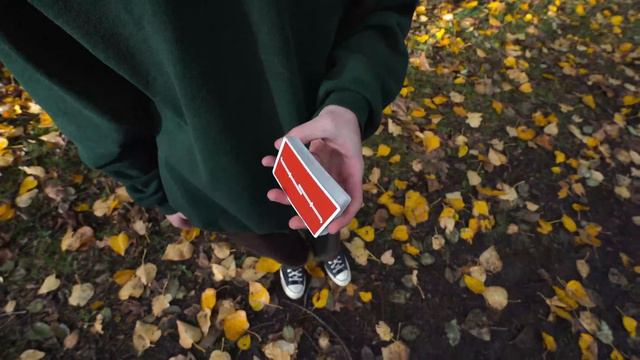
179	220
334	137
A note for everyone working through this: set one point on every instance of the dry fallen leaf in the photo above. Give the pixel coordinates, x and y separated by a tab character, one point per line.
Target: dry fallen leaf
80	294
189	334
160	303
490	260
31	354
71	340
147	273
219	355
395	351
144	335
49	284
496	297
178	251
384	331
132	288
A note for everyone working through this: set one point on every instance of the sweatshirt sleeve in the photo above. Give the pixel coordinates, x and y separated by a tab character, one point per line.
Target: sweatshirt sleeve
109	120
369	60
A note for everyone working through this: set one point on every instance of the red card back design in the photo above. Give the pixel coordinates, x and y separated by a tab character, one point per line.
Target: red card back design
307	197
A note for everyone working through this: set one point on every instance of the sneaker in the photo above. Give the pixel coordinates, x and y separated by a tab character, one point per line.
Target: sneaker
293	280
338	269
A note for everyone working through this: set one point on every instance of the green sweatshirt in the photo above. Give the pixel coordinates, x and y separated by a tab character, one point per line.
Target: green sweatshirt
180	100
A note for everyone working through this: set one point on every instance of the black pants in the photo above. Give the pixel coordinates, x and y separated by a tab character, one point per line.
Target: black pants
291	248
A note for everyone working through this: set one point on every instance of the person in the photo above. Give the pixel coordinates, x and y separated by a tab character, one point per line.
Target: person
181	102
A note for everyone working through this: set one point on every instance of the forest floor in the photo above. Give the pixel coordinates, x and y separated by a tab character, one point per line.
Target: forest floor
501	217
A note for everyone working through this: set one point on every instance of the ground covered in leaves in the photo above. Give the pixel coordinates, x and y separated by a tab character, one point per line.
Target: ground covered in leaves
501	217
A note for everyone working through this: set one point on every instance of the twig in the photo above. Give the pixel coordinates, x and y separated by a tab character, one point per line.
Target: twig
346	349
14	313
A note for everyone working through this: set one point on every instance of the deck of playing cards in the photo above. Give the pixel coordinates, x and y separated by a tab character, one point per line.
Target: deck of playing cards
312	192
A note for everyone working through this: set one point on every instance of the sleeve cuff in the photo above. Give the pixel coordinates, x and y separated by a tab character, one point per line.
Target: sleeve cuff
356	103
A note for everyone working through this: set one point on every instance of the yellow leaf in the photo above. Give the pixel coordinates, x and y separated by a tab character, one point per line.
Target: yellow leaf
587	345
313	269
416	208
400	184
568	223
616	355
475	285
439	100
383	150
395	209
460	111
189	334
560	156
549	342
3	142
267	265
365	296
319	299
190	234
388	110
122	276
630	324
6	212
480	207
410	249
463	150
418	112
589	101
525	133
208	299
353	224
630	100
178	251
394	159
510	62
525	88
467	234
580	10
367	233
562	295
258	296
616	20
235	325
400	233
497	106
49	284
119	243
431	141
244	343
579	207
27	184
576	291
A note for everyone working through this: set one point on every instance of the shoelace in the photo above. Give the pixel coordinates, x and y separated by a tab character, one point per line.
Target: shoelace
295	275
335	264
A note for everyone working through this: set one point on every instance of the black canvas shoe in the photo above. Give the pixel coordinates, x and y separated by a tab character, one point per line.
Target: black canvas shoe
293	280
338	269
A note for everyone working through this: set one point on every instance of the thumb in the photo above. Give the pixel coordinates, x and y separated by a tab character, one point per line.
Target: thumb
316	128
